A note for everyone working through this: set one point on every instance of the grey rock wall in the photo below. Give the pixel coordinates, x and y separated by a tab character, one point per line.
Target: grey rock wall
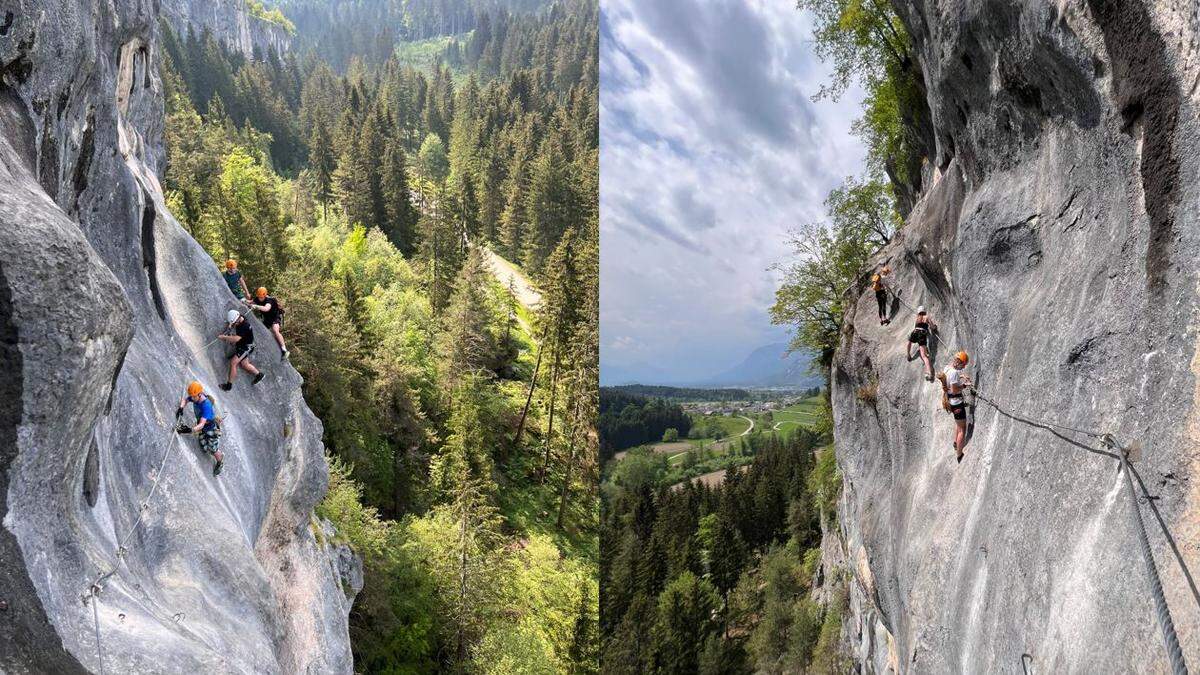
105	307
230	23
1057	243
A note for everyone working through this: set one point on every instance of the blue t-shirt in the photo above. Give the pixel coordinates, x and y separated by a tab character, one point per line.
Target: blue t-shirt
233	278
204	408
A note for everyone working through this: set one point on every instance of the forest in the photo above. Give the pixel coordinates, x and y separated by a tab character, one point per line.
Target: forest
684	393
717	580
628	420
367	195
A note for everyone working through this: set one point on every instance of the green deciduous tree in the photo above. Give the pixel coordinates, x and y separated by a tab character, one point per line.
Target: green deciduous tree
433	160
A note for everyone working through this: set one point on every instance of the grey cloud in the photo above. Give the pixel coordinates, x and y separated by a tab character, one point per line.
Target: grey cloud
693	213
710	151
730	46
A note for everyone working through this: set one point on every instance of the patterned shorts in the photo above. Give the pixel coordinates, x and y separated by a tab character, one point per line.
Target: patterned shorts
210	441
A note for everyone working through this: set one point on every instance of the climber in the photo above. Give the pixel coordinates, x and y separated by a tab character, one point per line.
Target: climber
954	384
233	279
881	293
206	422
920	336
241	336
272	316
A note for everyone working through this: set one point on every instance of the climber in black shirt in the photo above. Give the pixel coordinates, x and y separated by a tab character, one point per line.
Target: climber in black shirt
272	316
240	334
920	336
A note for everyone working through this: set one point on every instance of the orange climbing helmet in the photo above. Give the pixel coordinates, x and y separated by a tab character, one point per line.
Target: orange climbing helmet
231	264
962	356
195	389
261	292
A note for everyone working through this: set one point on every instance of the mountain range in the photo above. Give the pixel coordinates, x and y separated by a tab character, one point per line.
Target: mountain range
767	366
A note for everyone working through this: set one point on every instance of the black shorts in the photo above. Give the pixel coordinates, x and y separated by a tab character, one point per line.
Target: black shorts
919	336
959	410
243	351
277	321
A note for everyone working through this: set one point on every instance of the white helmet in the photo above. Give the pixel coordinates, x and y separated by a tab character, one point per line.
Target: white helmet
921	309
231	316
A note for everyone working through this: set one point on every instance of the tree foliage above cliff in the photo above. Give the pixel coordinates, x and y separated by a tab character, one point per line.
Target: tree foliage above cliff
865	42
827	260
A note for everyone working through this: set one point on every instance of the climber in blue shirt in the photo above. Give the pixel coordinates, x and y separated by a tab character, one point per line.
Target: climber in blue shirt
207	426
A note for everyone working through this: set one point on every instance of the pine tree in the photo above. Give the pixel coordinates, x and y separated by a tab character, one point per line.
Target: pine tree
685	610
322	163
467	342
352	181
371	150
584	640
461	182
402	216
550	202
583	402
464	462
513	216
440	252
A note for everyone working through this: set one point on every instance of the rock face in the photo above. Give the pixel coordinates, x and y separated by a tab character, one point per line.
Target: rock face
1055	242
230	22
107	307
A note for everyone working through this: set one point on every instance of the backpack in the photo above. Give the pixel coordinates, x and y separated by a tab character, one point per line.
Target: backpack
945	392
217	417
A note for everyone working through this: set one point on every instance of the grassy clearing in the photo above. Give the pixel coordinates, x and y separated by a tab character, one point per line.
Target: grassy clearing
421	54
730	426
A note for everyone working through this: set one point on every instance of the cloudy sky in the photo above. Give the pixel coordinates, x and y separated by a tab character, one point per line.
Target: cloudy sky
711	149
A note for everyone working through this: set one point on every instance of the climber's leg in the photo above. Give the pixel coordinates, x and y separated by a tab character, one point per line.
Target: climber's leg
275	331
928	363
210	442
960	430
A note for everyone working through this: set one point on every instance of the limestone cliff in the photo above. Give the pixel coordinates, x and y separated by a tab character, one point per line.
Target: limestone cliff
1055	241
106	305
230	22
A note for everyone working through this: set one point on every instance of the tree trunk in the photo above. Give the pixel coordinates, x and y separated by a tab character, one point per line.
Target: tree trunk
462	589
570	464
528	397
548	441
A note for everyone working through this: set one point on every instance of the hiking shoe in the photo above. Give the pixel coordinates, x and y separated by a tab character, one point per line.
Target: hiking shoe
217	468
257	378
226	386
284	355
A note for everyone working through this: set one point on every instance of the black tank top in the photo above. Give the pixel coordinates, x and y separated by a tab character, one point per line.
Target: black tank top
922	325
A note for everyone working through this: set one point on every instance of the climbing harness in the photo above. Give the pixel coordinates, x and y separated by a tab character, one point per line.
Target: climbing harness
1116	450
